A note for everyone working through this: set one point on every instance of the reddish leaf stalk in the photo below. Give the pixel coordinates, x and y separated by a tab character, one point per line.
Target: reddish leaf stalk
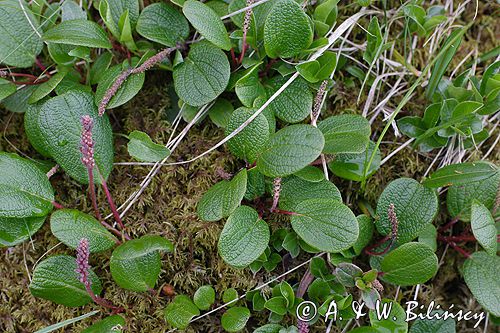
284	212
112	205
38	62
160	56
391	214
57	205
83	268
448	225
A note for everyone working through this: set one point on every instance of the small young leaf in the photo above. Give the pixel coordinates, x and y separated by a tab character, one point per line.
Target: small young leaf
142	148
248	143
294	103
483	227
415	207
55	279
16	230
351	166
325	224
111	324
222	199
163	24
481	272
394	323
320	69
78	32
235	319
244	237
135	265
461	173
345	133
180	311
204	297
294	190
269	328
287	30
99	67
289	150
276	305
71	225
25	190
207	22
230	295
410	264
203	75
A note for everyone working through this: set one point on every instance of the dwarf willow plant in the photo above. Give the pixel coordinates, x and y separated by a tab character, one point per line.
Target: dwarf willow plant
264	82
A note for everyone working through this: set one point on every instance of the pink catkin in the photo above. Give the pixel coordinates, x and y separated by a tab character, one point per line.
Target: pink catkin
87	143
391	214
302	326
82	262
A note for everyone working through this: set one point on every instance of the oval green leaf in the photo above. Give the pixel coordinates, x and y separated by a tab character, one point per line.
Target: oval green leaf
461	173
346	133
142	148
78	32
180	311
235	319
294	103
204	297
483	227
17	230
163	24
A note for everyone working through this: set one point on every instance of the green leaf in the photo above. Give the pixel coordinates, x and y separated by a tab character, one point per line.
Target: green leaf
222	199
483	227
116	10
71	11
207	22
288	293
248	88
415	207
16	230
268	328
18	101
204	297
294	103
58	129
66	322
99	67
442	63
347	133
277	305
460	173
412	126
374	40
203	75
180	311
428	236
351	166
289	150
410	264
47	87
287	30
235	319
163	24
111	324
244	237
319	69
366	229
71	225
325	224
135	265
433	325
19	44
25	190
7	88
78	32
294	190
230	295
220	112
394	323
248	143
130	87
56	280
142	148
311	174
459	197
256	184
481	272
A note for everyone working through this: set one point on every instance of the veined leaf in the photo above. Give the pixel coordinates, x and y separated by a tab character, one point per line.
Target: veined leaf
17	230
460	173
294	190
345	133
142	148
294	103
78	32
180	311
483	227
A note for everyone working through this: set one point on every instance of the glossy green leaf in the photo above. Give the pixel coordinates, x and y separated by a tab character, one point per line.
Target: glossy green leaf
374	40
311	174
459	197
248	143
433	325
204	297
135	265
163	24
412	126
366	229
294	190
142	148
287	30
248	88
415	207
410	264
483	227
203	75
111	324
276	305
395	321
325	224
345	133
7	88
25	190
428	236
71	225
19	44
78	32
289	150
116	10
320	69
207	22
99	67
268	328
351	166
56	280
235	319
17	230
222	199
230	295
481	272
180	311
461	173
18	101
58	129
127	90
294	103
244	237
256	184
220	112
47	87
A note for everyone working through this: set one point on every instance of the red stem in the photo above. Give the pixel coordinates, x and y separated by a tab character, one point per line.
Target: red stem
57	205
243	48
111	203
233	58
92	194
448	225
42	67
377	244
102	301
284	212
